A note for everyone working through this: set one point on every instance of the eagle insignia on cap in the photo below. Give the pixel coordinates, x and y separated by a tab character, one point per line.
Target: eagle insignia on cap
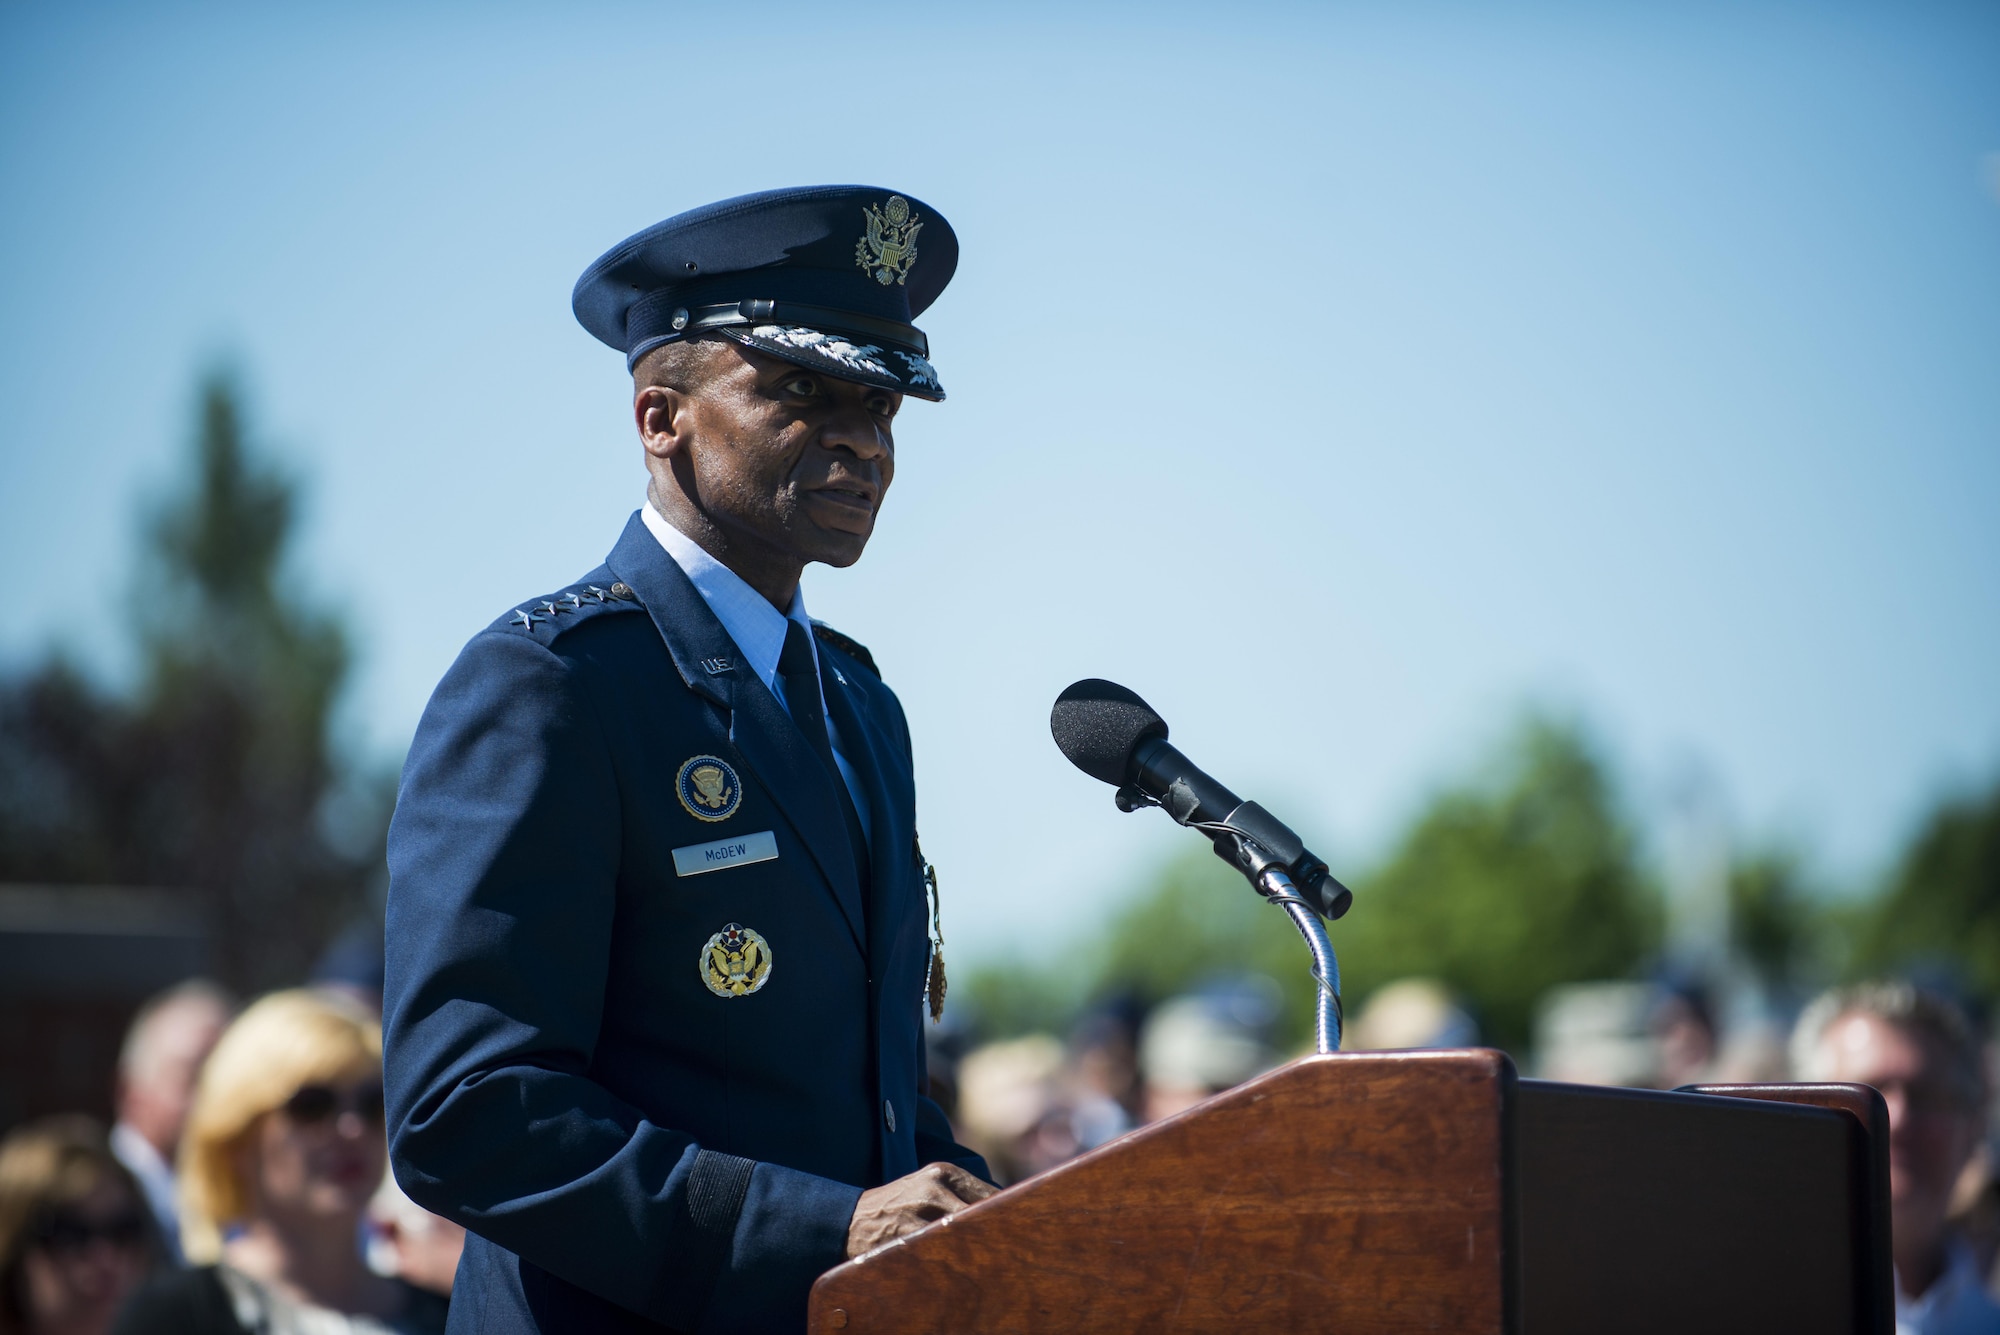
735	962
890	246
709	788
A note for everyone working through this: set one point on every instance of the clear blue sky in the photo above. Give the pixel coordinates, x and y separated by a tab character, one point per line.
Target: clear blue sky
1337	377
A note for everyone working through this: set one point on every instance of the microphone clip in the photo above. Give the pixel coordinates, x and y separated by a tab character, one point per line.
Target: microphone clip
1304	872
1130	799
1249	840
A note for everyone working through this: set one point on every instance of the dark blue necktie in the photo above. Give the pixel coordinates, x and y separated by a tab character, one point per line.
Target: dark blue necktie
799	667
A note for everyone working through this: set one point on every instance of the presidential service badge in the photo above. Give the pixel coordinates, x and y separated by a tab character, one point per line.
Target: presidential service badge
709	788
889	247
735	962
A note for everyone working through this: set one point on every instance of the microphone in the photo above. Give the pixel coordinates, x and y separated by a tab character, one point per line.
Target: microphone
1112	735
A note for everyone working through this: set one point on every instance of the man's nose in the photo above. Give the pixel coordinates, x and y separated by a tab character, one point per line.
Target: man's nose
854	429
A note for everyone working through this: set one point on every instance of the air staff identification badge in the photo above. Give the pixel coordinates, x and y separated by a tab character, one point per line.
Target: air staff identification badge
735	962
709	788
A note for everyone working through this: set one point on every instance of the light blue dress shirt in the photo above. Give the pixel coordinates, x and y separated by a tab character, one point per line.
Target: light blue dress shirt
757	628
1957	1304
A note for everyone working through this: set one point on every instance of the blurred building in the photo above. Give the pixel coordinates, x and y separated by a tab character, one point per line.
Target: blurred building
75	962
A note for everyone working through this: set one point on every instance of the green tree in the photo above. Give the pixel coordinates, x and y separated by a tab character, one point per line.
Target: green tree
1197	919
1505	887
216	776
1942	904
1777	924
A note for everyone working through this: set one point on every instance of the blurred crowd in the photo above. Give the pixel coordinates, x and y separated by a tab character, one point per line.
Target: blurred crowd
241	1189
242	1186
1033	1102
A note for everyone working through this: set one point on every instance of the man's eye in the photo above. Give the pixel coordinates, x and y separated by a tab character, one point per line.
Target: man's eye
802	385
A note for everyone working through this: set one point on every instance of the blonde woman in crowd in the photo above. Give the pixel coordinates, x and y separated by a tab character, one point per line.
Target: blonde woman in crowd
74	1235
284	1146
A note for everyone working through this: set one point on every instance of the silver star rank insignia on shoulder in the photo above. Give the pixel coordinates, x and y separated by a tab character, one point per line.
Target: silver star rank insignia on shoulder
735	962
708	788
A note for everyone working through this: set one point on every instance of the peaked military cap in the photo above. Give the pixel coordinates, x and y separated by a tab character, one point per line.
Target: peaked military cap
825	276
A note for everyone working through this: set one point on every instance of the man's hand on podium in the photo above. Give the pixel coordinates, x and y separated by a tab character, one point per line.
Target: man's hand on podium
902	1207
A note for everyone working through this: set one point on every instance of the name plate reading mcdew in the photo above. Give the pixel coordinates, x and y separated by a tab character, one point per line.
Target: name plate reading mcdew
738	852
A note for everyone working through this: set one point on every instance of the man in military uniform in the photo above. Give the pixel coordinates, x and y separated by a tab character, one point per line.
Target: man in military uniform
658	934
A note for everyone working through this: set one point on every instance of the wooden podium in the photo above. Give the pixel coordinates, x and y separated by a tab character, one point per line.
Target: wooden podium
1421	1191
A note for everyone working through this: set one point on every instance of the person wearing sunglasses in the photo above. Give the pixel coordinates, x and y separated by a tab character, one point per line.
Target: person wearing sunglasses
283	1149
74	1235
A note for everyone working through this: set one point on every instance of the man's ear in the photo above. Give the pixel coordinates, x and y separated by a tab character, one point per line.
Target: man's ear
663	418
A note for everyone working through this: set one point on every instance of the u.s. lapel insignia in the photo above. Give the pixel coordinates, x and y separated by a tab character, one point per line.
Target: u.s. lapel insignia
709	788
889	247
736	961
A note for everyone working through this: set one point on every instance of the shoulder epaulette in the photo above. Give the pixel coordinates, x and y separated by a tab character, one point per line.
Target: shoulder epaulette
854	649
545	618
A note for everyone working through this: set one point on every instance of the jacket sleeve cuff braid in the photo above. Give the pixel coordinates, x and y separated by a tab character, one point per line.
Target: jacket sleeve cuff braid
792	1228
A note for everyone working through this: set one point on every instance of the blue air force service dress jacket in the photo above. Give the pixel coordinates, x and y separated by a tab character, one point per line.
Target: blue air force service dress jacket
628	1146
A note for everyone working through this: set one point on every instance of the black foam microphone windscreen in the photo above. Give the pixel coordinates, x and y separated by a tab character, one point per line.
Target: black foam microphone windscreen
1098	724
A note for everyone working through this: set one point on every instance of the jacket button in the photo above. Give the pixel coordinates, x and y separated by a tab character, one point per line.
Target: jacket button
889	1114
